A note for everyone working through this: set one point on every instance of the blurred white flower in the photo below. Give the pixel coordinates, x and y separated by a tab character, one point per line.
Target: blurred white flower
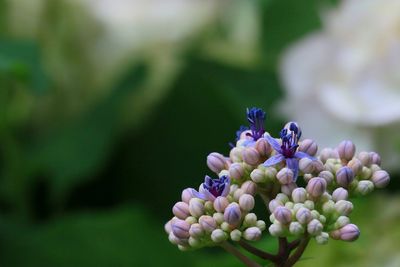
347	77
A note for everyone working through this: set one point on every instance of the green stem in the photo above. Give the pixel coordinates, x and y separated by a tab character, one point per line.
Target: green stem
258	252
234	251
298	253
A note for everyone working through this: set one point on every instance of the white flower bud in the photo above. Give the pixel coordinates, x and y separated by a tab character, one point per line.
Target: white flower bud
342	221
364	187
355	165
216	162
283	215
273	204
187	195
220	203
251	156
282	198
261	225
250	219
194	243
344	176
263	147
237	194
344	207
232	214
365	158
287	189
196	207
322	238
328	207
218	236
349	232
252	234
285	176
180	229
236	235
236	171
297	206
375	158
249	187
270	173
226	227
168	227
276	229
299	195
314	227
196	230
246	202
340	194
365	173
218	217
380	179
236	154
303	215
258	176
309	204
296	228
181	210
306	165
328	153
346	150
316	187
307	177
308	146
173	239
208	223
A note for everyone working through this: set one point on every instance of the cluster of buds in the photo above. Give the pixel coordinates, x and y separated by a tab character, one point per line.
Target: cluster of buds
271	167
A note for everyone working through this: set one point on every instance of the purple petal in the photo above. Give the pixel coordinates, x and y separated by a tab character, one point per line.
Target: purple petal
293	164
274	160
275	144
197	194
227	188
300	155
206	194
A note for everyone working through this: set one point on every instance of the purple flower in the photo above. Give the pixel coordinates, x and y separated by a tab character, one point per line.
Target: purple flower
213	188
287	151
256	118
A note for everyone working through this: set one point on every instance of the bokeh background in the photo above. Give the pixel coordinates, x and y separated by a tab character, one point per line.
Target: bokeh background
108	109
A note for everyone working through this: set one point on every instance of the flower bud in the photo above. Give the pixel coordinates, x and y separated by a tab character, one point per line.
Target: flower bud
318	166
328	207
322	238
309	204
249	187
296	228
261	225
349	232
236	171
246	202
364	187
344	176
258	176
325	197
226	227
340	194
287	189
270	173
282	198
263	147
355	165
250	219
314	227
180	229
285	176
218	236
380	179
232	214
308	146
283	215
220	203
289	205
375	158
191	220
237	194
303	215
322	219
299	195
366	173
365	158
208	223
276	229
196	230
306	165
218	217
315	214
187	195
173	239
342	221
236	235
273	204
209	206
251	156
344	207
181	210
316	187
194	243
327	153
216	162
168	227
252	234
236	154
196	207
346	150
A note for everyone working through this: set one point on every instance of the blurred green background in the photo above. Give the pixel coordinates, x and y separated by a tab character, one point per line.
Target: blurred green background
101	126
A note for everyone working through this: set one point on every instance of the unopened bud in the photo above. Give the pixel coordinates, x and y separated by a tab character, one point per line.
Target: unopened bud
273	204
236	154
285	176
296	228
283	215
349	232
344	176
365	158
181	210
316	187
208	223
249	187
187	195
251	156
289	205
196	207
314	227
276	229
303	215
340	194
194	243
309	204
263	147
355	165
270	173
364	187
236	235
236	171
250	219
237	194
287	189
180	228
216	162
328	207
328	153
218	217
342	221
346	150
232	214
299	195
196	230
218	236
306	165
252	234
220	203
246	202
173	239
258	176
322	238
261	225
191	220
380	179
366	173
344	207
318	166
375	158
282	198
308	146
226	227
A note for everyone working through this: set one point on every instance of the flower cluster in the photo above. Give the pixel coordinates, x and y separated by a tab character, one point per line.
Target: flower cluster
315	206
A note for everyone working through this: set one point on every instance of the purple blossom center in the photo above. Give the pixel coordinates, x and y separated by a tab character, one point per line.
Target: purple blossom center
216	186
256	118
290	139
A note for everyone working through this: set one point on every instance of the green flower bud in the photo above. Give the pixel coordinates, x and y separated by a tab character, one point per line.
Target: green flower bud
246	202
314	227
194	243
236	171
236	235
299	195
276	229
327	176
216	162
183	247
325	197
366	173
218	217
340	194
296	228
191	220
297	206
328	207
315	214
196	231
342	221
349	232
249	187
322	238
236	154
252	234
258	176
322	219
308	146
180	229
355	165
250	219
263	147
365	158
380	179
375	168
282	198
273	204
196	207
303	215
375	158
261	225
344	207
283	215
207	223
346	150
344	176
220	203
316	187
251	156
289	205
209	206
306	165
270	173
285	176
218	236
287	189
365	187
181	210
232	214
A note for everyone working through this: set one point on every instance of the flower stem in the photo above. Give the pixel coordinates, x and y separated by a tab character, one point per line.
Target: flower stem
297	254
262	254
234	251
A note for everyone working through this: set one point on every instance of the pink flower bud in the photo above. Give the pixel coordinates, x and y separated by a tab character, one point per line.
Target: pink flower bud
285	176
283	215
344	207
168	227
356	165
306	165
349	232
246	202
344	176
316	187
251	156
207	223
314	227
232	214
216	162
273	204
340	194
187	195
303	215
180	229
252	234
375	158
327	176
196	207
328	153
263	147
181	210
220	203
380	179
308	146
236	154
299	195
196	230
236	171
365	158
287	189
249	187
346	150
